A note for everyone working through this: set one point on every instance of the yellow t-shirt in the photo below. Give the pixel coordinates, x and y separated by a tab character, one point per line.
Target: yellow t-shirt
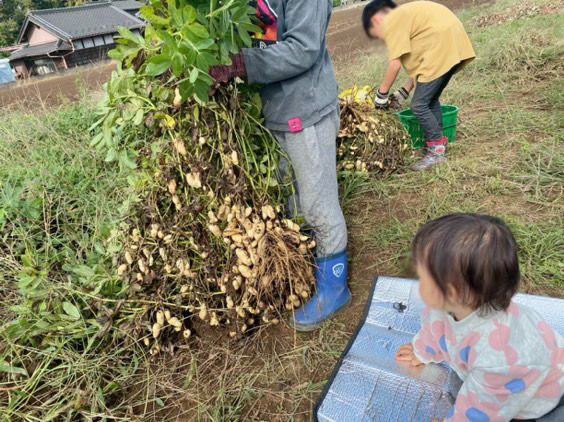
428	39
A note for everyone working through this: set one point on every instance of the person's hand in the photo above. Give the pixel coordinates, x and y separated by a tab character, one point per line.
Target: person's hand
406	354
381	101
223	74
399	97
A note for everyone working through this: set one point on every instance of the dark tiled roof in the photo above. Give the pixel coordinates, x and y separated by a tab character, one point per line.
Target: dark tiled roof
39	50
83	21
122	4
128	4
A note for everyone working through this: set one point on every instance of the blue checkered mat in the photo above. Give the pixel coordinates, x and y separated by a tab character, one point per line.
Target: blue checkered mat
368	384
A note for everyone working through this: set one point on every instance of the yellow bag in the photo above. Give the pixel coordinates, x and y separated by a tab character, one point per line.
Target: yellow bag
363	95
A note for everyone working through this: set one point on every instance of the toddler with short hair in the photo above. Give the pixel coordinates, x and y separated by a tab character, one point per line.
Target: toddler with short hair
509	359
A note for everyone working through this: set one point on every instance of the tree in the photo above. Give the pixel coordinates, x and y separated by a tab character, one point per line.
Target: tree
13	13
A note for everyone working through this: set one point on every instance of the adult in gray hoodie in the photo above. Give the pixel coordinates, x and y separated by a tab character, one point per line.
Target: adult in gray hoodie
300	107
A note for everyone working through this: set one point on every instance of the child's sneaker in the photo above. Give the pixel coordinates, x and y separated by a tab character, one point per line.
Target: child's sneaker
436	154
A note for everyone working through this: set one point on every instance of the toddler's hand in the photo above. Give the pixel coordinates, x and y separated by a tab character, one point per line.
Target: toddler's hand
406	354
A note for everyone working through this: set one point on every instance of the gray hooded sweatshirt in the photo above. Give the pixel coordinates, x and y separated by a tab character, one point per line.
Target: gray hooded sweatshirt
294	64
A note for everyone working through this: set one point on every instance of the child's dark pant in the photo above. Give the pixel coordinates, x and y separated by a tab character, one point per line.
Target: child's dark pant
427	108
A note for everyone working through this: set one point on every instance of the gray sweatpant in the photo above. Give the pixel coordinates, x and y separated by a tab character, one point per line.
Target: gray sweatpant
313	154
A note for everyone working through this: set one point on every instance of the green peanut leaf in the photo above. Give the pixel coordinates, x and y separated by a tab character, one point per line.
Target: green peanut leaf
241	13
189	14
198	30
249	27
201	91
205	44
148	12
158	65
139	117
127	161
245	37
186	89
116	54
178	65
130	36
194	75
71	310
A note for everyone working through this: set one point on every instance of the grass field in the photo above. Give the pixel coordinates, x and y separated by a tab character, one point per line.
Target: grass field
61	208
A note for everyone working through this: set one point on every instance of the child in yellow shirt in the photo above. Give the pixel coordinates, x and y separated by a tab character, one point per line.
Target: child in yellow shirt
430	42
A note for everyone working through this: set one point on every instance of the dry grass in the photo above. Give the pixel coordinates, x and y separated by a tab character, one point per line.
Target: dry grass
270	376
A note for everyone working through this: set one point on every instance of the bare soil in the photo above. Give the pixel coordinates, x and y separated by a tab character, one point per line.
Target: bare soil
49	92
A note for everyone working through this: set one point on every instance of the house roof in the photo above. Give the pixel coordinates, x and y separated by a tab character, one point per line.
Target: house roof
127	5
83	21
40	50
10	49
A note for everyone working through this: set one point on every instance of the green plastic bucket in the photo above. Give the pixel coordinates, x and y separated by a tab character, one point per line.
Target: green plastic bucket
410	122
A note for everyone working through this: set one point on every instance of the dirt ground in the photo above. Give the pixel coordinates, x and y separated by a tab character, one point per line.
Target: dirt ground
345	39
51	91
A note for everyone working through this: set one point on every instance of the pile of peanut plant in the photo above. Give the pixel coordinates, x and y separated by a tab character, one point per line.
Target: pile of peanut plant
370	141
207	243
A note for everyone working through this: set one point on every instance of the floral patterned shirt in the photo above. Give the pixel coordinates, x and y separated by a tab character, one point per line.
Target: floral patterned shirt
511	363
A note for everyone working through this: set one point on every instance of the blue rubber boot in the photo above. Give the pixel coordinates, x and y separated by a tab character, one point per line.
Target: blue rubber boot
332	294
